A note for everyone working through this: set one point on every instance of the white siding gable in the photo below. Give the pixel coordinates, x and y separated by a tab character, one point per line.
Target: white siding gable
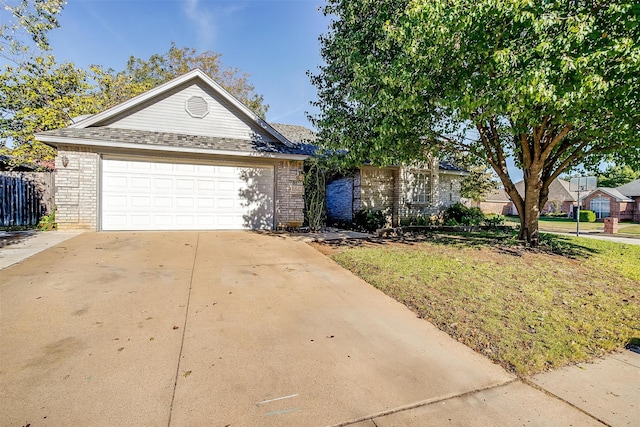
168	113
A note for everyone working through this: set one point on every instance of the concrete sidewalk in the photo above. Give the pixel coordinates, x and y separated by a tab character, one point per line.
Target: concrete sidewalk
16	246
232	328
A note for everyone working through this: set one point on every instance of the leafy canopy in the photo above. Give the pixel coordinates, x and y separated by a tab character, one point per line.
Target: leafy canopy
553	84
27	23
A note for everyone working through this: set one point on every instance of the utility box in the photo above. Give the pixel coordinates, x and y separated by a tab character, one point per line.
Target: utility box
610	225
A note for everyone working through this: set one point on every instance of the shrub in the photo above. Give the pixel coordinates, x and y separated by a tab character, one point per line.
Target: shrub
48	222
587	216
463	215
494	221
419	220
369	219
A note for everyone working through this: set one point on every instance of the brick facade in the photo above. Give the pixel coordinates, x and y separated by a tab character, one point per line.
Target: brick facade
76	193
289	194
392	191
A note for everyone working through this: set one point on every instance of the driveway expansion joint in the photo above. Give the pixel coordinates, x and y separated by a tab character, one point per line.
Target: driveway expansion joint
422	403
184	329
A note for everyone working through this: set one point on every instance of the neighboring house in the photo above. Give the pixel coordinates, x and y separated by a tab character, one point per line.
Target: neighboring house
561	200
621	202
496	202
185	155
402	192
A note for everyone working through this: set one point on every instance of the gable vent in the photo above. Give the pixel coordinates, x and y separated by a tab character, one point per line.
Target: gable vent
197	107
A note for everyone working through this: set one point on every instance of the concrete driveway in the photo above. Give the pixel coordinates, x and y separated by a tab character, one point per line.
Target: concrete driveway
231	329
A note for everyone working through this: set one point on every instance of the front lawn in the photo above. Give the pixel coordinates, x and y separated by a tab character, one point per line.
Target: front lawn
526	310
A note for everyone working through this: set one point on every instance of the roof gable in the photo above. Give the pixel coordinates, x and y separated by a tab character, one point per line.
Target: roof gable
631	189
191	104
612	192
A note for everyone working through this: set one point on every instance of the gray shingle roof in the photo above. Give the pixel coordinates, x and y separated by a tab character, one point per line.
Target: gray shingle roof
613	193
296	133
631	189
163	139
448	166
558	190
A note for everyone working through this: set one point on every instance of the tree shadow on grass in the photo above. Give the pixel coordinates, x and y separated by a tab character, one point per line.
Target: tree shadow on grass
502	241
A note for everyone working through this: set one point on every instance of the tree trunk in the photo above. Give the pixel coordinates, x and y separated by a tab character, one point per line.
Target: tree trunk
530	214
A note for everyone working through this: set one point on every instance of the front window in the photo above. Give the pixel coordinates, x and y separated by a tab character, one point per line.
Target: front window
421	191
600	206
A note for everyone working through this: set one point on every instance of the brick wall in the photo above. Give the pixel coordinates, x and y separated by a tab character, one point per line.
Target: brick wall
76	188
449	190
289	194
378	191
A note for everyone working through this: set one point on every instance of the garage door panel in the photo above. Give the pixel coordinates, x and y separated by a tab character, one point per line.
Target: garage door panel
168	196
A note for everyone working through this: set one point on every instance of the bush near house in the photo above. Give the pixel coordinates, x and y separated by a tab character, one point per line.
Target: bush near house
587	216
459	214
370	219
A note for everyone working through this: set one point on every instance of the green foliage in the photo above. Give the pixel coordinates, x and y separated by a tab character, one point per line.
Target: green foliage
315	186
37	96
553	84
459	214
141	75
48	222
587	216
494	221
615	176
27	22
420	220
369	219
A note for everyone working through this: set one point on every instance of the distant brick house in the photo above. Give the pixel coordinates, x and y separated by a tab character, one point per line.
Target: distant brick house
621	202
402	192
496	202
560	200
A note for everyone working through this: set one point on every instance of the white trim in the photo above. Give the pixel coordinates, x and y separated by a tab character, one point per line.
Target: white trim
171	84
110	144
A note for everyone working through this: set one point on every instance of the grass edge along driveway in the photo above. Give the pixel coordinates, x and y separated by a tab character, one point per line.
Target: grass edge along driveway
527	310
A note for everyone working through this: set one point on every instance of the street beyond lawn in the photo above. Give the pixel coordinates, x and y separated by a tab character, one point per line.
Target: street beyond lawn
527	310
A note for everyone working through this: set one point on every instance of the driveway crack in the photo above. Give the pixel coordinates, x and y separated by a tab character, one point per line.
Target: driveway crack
184	330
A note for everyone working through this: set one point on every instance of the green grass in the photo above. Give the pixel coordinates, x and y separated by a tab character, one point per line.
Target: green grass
527	310
632	229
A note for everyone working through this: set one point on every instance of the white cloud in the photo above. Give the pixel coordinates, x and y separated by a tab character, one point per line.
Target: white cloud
203	20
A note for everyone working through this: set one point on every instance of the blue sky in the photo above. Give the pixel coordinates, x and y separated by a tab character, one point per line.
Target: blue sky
275	41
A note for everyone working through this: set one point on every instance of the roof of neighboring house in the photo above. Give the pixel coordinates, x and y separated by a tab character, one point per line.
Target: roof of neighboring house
129	138
302	137
631	189
558	191
611	192
296	133
498	195
450	167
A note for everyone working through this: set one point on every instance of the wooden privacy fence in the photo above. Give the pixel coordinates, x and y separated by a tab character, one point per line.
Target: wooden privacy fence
25	197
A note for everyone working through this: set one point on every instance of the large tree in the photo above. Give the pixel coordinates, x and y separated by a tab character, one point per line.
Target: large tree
36	96
26	24
552	84
615	176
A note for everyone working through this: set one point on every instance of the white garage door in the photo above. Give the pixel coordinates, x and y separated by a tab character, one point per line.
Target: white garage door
139	195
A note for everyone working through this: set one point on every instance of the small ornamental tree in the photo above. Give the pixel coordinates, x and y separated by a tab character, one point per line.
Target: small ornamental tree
552	84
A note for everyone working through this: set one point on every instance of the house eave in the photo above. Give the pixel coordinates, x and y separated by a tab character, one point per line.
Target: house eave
57	141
